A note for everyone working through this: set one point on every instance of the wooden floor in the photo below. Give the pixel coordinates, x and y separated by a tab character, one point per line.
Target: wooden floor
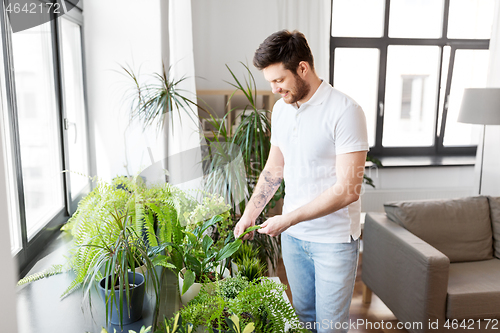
372	314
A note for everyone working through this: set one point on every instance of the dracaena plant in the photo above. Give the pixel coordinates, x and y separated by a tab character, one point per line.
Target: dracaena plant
113	260
151	101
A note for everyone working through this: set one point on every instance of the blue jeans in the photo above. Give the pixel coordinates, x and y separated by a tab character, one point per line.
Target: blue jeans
321	278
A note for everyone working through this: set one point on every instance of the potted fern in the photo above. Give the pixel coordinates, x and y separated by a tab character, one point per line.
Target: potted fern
117	227
259	302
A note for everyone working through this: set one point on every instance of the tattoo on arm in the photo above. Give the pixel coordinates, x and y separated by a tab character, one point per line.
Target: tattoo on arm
266	189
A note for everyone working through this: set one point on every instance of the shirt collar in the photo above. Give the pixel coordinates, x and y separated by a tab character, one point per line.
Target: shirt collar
319	95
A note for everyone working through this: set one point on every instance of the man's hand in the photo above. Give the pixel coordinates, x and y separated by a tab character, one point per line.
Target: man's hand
275	225
244	223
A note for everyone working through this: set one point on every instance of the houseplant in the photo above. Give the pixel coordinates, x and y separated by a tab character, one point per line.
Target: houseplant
246	262
251	140
150	102
122	288
93	224
197	258
98	231
260	302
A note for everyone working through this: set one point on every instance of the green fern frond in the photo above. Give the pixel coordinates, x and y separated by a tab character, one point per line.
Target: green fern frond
53	270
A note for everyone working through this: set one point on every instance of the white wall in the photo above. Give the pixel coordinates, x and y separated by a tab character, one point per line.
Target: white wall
416	183
491	164
119	32
229	31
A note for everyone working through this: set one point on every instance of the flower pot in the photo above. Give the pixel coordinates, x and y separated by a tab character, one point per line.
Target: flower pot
133	312
194	290
234	268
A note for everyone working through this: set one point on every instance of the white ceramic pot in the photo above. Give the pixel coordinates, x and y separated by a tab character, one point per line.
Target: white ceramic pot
234	268
195	288
192	292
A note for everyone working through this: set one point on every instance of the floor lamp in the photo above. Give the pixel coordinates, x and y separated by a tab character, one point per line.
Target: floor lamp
480	106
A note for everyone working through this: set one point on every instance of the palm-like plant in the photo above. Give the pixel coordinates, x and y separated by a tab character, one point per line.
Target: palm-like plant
113	260
250	144
151	102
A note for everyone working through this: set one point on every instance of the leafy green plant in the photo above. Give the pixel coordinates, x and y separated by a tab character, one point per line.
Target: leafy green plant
151	102
113	261
230	288
152	214
198	255
260	302
251	268
368	180
247	261
263	299
233	324
250	142
175	326
143	330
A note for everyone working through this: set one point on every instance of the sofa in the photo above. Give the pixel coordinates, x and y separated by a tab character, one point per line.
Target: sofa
436	262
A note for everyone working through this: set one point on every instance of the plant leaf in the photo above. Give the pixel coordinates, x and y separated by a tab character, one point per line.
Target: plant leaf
250	229
228	250
189	277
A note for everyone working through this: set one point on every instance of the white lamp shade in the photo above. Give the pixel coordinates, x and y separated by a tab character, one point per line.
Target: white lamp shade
480	106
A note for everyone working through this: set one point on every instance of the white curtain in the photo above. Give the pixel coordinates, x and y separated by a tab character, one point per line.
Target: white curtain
312	18
491	160
183	136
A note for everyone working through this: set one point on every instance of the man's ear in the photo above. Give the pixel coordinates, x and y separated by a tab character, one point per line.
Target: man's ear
303	69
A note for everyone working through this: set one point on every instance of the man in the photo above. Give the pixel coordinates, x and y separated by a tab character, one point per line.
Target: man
318	144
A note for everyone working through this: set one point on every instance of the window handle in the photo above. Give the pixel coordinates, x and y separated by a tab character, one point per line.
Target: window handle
67	125
381	109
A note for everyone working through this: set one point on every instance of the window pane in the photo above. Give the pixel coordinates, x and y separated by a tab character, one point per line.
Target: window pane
410	95
358	18
38	125
442	90
75	105
356	74
8	166
469	71
471	18
416	19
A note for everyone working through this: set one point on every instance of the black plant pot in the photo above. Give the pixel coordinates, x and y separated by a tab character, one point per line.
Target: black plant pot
136	300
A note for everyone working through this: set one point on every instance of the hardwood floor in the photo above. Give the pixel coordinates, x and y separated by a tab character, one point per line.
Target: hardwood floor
373	318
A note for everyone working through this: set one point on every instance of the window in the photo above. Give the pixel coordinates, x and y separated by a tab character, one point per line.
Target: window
8	174
407	63
44	128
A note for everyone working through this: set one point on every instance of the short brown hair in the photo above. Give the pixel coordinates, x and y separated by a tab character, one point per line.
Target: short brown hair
289	48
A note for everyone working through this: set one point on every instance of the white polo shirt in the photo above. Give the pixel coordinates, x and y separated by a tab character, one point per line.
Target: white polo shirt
310	138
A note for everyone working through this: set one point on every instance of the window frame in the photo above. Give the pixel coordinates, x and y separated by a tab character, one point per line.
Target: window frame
382	44
30	249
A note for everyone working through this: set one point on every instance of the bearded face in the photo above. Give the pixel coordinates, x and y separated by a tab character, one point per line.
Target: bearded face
290	85
298	91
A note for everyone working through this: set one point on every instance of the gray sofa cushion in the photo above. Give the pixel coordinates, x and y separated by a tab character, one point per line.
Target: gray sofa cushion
474	290
460	228
495	221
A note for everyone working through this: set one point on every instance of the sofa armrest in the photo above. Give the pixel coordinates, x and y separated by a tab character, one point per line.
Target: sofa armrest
406	273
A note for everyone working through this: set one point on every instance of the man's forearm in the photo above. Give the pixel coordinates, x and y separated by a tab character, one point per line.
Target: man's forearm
336	197
266	186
